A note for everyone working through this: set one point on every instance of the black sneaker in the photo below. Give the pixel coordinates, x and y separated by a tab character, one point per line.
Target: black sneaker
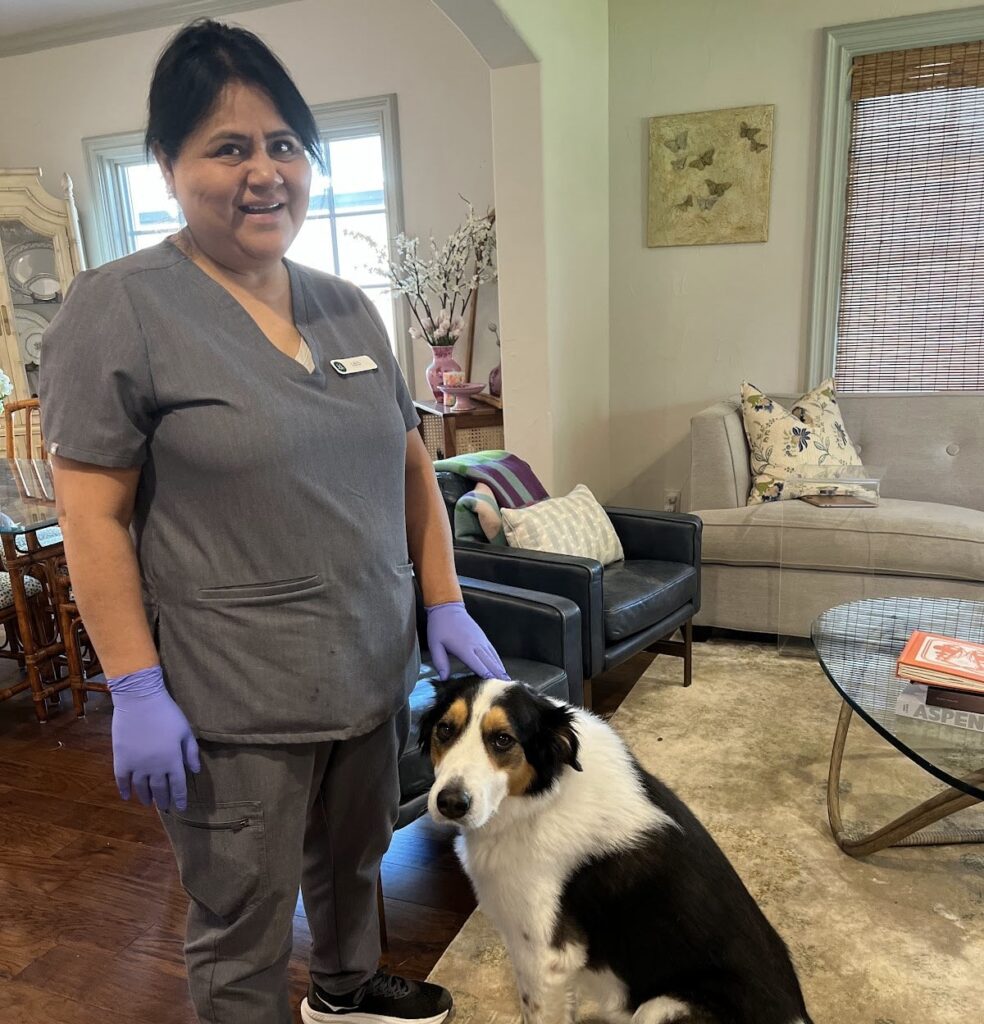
383	999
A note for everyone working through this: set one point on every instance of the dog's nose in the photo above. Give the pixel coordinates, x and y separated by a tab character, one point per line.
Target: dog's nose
453	802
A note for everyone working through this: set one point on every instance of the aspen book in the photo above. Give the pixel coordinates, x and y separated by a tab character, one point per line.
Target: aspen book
912	704
942	661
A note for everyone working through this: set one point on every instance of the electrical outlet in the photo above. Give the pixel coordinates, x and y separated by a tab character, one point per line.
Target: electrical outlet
671	501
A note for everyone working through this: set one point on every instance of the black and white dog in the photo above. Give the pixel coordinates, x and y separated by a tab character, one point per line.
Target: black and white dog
597	876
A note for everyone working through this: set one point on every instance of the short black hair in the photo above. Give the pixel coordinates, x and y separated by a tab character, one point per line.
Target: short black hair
194	68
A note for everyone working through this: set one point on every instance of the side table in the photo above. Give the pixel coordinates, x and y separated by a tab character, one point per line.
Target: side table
452	421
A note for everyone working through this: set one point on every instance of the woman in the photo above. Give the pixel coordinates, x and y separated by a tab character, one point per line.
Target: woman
258	630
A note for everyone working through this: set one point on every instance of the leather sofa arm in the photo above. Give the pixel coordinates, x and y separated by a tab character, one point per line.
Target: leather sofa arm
666	536
577	579
529	624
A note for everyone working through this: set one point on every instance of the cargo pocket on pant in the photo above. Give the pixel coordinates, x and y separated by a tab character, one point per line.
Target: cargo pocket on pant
221	855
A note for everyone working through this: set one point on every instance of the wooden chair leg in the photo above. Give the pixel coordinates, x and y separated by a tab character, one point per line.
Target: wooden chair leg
587	694
381	914
67	626
688	651
679	649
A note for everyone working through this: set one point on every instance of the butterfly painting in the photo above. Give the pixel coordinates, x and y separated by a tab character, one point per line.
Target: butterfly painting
745	131
678	142
710	177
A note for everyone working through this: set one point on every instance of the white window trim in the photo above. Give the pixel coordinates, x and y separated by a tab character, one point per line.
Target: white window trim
843	44
377	114
102	155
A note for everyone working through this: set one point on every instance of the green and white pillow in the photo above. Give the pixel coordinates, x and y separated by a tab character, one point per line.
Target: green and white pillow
785	443
573	525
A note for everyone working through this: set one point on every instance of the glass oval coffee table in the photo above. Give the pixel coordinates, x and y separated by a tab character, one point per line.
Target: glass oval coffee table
857	645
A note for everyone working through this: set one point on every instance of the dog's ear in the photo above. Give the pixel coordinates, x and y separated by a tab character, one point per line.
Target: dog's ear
427	722
553	744
559	721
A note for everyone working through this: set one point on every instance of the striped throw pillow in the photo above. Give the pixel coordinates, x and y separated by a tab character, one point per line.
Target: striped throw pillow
574	525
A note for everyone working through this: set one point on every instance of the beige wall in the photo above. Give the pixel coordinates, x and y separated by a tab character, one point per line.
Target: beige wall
687	323
518	148
570	40
336	50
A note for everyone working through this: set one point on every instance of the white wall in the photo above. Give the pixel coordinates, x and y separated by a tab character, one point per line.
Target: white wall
687	323
570	39
336	50
518	147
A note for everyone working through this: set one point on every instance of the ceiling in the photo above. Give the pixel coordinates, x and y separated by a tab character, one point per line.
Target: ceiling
27	25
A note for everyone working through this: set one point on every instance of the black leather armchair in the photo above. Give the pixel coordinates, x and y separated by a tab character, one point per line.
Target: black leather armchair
626	607
538	638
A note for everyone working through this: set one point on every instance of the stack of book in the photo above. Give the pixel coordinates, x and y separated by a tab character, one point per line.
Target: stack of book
946	680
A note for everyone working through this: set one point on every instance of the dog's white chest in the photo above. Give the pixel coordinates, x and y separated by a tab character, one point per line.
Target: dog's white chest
520	894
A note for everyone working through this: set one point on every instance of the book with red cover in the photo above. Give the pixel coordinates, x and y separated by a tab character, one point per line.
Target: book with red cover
942	661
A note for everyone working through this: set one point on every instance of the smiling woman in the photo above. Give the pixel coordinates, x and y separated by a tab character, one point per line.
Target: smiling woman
233	151
259	675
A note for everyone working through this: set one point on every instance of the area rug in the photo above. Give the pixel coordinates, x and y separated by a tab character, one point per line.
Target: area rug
896	938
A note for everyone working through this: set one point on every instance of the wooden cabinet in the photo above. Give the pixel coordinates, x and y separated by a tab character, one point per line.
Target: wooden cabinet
40	253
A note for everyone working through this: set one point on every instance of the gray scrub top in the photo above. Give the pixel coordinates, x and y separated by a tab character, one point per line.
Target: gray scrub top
269	521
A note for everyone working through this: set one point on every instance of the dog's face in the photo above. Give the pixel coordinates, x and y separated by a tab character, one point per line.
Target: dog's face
489	740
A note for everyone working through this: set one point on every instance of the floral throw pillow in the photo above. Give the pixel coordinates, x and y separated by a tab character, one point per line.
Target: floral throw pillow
785	443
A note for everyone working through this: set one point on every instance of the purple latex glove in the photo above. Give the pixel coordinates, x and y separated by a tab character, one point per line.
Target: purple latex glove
451	630
152	740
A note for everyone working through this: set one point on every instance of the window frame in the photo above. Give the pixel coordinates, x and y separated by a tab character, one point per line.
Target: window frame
105	154
842	44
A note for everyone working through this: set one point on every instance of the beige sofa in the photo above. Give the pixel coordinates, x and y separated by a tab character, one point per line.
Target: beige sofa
925	538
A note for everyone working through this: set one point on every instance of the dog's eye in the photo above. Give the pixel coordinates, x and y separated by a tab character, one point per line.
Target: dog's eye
502	741
444	731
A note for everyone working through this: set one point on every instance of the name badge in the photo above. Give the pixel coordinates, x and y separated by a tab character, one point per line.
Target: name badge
354	364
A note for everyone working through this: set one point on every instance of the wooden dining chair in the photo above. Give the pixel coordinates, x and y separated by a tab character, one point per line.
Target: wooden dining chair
12	647
28	412
80	656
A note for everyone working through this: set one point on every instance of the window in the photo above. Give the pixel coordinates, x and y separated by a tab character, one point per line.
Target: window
899	282
132	207
358	194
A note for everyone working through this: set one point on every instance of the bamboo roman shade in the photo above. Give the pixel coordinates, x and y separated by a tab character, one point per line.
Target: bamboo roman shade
911	315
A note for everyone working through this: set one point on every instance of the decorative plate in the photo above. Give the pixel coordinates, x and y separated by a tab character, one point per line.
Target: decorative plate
30	327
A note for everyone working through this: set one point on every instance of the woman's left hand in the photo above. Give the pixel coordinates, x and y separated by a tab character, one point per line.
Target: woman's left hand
451	630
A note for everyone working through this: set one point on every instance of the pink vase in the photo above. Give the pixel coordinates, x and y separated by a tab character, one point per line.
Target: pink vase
442	358
495	381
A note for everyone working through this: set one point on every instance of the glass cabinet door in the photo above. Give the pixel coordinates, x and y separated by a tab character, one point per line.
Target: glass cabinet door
35	291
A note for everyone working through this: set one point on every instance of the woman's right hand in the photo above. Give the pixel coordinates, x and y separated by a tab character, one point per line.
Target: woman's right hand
152	740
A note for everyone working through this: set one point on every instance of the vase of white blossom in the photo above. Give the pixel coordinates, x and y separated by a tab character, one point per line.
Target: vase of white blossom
440	288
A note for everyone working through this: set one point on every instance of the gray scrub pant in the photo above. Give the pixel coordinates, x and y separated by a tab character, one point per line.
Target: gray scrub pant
262	821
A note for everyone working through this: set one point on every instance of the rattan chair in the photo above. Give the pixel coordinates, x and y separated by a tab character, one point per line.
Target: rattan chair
12	647
80	655
23	409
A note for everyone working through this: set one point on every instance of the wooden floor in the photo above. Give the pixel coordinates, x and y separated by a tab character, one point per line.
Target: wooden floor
91	912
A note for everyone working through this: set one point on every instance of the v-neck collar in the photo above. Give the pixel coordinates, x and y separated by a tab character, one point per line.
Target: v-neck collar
298	310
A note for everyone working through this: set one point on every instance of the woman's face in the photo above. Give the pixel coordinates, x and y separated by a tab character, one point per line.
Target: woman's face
242	180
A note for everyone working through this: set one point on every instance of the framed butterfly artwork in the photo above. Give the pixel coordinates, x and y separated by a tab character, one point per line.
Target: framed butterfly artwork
710	176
